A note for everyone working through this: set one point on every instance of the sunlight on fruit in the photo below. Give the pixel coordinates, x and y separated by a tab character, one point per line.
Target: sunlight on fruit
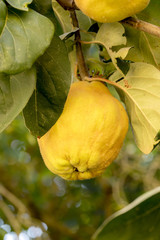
88	135
110	10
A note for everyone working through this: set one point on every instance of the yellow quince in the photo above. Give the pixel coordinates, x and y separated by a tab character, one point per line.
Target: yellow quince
111	10
88	135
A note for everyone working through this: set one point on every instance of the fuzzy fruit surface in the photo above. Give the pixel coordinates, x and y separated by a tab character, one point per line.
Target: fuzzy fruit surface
111	10
88	135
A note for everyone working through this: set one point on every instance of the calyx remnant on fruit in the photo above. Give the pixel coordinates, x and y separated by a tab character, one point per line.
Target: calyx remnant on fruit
111	10
88	135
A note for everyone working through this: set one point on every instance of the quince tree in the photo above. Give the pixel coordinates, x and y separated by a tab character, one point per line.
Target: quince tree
80	71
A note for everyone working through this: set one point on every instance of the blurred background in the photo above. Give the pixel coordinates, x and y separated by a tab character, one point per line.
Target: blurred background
39	205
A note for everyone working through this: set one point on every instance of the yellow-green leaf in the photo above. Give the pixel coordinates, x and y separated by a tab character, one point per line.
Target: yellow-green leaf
140	91
112	35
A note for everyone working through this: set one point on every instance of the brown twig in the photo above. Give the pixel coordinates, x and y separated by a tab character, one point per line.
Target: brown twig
67	4
142	26
13	199
80	58
10	216
17	221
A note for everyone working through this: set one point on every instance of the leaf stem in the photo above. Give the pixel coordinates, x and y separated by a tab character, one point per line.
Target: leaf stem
142	26
90	79
80	57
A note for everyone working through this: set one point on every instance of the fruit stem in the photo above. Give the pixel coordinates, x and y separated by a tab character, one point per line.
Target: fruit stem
83	71
67	4
142	26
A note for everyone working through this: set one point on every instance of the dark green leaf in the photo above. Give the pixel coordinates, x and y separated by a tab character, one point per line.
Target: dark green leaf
24	38
6	99
157	136
15	91
42	6
45	8
94	28
139	220
54	78
3	15
123	65
20	4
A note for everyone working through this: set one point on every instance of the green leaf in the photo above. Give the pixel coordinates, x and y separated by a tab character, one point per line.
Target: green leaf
98	68
139	220
15	91
45	8
157	136
54	78
41	6
112	35
20	4
3	15
6	100
140	91
146	47
65	20
123	65
63	16
143	47
24	38
84	22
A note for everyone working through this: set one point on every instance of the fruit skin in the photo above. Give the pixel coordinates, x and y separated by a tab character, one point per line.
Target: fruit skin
88	135
111	10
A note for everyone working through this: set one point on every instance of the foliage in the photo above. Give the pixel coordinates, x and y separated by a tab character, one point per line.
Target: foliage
128	220
111	52
41	53
71	210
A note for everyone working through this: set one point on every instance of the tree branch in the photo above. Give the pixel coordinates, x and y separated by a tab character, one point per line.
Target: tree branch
13	199
80	58
67	4
17	221
10	216
142	26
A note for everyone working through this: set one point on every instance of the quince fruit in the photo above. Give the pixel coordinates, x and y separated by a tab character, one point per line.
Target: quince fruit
111	10
88	135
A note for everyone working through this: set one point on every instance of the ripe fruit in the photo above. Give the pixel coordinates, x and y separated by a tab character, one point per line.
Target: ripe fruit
88	135
111	10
